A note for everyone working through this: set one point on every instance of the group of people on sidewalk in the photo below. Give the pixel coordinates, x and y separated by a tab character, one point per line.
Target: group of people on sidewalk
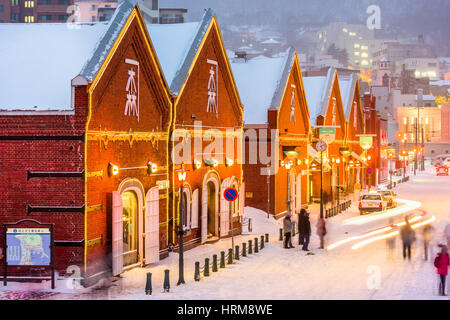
304	230
441	261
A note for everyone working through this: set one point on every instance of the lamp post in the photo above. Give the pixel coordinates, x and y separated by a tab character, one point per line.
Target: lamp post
181	179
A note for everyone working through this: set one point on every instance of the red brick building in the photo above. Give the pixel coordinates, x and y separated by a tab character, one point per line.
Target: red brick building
206	130
325	106
32	11
274	101
354	116
86	147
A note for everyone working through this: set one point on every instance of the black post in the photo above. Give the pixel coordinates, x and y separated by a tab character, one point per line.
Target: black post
180	233
262	242
267	237
148	285
197	271
250	247
214	265
236	253
166	284
321	184
222	259
256	245
206	271
230	256
281	234
244	249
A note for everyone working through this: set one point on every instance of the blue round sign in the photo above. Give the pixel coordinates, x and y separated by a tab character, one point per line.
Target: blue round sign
230	194
369	170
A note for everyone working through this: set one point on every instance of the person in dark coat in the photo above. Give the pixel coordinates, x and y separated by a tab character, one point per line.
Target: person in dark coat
304	229
287	229
408	236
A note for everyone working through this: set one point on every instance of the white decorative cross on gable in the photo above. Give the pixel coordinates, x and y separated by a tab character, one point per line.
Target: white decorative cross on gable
132	103
213	104
292	117
334	112
355	114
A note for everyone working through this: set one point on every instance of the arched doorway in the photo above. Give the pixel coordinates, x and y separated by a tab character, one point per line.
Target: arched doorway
130	227
212	195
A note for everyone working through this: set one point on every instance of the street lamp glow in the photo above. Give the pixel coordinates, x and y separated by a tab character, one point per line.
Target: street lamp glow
152	167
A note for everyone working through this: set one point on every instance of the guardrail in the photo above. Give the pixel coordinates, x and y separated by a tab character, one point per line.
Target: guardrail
253	247
333	211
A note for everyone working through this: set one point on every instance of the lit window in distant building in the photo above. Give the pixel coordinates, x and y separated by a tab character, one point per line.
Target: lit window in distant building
412	120
345	30
29	19
352	34
356	46
426	121
357	53
405	121
364	47
365	62
432	74
417	74
320	35
364	55
14	2
424	74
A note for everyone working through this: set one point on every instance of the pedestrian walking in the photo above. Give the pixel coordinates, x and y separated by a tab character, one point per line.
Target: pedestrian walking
408	236
441	262
287	229
292	232
304	228
321	231
390	242
427	233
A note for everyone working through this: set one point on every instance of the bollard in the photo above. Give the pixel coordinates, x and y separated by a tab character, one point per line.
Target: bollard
230	256
166	284
244	249
214	265
281	235
267	237
250	247
148	285
249	225
206	272
256	245
222	259
262	242
197	271
293	233
327	213
236	253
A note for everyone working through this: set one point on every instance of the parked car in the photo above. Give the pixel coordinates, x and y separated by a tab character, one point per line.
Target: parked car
441	171
372	202
446	162
437	160
389	195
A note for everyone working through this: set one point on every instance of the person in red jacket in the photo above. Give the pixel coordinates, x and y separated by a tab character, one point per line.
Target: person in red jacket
441	262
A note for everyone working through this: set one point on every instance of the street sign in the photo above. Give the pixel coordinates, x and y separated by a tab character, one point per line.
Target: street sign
163	184
327	134
366	142
230	194
321	146
369	170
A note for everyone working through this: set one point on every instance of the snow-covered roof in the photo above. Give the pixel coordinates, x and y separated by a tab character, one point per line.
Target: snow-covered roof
316	89
347	87
176	46
258	81
41	59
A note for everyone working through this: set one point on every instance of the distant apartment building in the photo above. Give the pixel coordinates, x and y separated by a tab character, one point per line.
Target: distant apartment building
356	39
422	67
31	11
172	15
395	51
92	11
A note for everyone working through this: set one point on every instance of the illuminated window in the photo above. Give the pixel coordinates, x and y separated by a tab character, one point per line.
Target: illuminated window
365	62
417	74
357	53
345	30
352	34
130	209
405	121
356	46
320	35
432	74
364	55
412	120
29	19
426	120
364	47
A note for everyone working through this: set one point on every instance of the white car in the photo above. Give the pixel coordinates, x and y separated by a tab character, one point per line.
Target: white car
372	202
389	195
438	160
446	162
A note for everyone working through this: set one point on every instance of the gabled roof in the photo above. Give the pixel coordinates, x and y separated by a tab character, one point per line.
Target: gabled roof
260	82
348	87
317	90
43	58
176	46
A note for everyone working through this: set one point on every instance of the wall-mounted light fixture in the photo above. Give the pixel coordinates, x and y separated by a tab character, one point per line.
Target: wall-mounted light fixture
112	169
229	162
151	167
197	164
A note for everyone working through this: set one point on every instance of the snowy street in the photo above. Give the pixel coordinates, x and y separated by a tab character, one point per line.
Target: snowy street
369	272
